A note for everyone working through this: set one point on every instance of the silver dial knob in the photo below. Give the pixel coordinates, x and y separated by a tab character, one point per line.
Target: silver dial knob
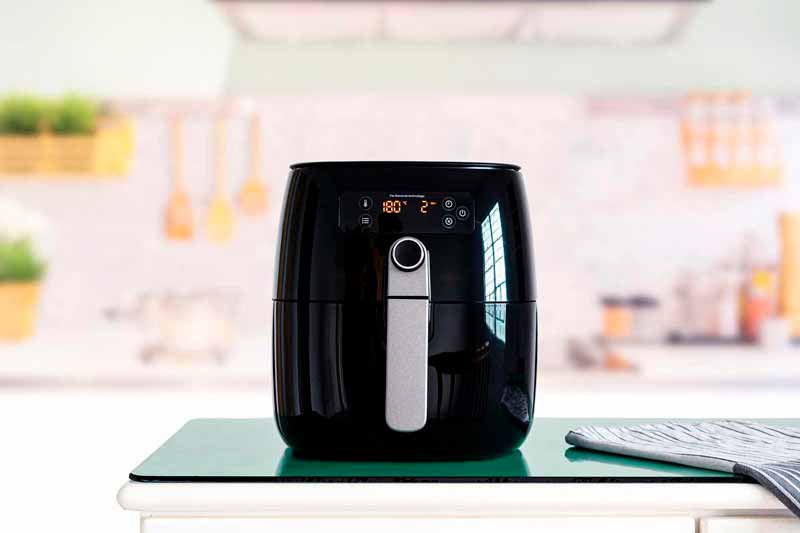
408	254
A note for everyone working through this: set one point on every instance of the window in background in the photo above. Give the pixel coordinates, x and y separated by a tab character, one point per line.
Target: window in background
494	272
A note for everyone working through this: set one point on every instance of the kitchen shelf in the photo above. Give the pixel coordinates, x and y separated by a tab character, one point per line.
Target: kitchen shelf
109	359
704	364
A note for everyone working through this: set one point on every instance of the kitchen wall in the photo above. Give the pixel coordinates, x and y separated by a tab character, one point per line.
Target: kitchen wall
611	207
122	49
726	44
187	48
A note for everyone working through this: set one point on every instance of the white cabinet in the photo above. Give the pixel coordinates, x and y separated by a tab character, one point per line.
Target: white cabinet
749	525
456	508
581	524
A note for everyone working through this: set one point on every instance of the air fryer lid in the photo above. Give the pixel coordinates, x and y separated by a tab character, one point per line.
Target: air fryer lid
340	220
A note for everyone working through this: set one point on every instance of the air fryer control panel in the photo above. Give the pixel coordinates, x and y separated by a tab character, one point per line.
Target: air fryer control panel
407	212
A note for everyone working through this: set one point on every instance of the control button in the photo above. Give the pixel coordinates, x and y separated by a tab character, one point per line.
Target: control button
462	213
365	220
449	221
365	203
408	254
449	203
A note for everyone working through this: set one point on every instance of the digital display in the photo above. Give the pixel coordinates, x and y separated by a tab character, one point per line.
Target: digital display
398	206
406	212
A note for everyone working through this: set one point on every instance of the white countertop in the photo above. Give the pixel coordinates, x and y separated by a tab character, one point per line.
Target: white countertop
447	499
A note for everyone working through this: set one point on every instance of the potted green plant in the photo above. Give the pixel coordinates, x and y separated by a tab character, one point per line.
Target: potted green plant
22	119
73	135
74	146
22	268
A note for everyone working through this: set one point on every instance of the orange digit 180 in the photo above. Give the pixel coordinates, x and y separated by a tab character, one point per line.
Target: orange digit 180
391	206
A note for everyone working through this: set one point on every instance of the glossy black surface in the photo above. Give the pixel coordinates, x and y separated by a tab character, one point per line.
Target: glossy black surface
330	312
330	364
422	164
318	261
507	467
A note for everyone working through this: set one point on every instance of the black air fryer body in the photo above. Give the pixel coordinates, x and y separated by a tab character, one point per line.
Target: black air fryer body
404	311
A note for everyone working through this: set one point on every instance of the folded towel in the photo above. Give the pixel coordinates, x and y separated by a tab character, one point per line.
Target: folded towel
768	454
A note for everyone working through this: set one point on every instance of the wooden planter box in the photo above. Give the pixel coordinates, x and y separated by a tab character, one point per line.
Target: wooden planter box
107	152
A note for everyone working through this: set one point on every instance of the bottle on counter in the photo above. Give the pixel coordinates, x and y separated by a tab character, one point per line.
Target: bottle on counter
758	302
646	320
688	318
617	318
728	302
757	296
789	292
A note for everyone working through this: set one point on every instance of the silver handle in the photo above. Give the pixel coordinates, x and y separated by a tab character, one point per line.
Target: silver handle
408	300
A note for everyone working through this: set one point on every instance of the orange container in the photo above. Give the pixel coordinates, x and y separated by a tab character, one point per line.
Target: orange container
18	309
789	286
617	318
758	302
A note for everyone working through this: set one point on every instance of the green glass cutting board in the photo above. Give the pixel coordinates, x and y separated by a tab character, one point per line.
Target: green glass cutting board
250	450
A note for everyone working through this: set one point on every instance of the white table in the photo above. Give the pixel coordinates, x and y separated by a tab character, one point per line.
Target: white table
228	475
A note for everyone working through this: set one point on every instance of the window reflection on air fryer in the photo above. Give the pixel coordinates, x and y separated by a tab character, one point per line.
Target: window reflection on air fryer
393	233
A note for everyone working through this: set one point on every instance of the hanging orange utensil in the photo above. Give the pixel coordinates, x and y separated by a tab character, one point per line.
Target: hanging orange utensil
221	221
253	194
178	216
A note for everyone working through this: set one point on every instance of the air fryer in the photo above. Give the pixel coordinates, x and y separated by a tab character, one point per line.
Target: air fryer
404	311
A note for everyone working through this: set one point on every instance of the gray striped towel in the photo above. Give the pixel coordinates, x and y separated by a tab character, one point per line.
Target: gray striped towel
768	454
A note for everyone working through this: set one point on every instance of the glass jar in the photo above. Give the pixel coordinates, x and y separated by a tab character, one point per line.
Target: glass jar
646	322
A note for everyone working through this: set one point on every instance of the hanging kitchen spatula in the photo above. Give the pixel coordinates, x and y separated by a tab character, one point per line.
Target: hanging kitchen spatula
178	216
253	195
221	220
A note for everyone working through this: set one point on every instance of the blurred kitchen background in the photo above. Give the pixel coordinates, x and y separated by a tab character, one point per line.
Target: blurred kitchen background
144	148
